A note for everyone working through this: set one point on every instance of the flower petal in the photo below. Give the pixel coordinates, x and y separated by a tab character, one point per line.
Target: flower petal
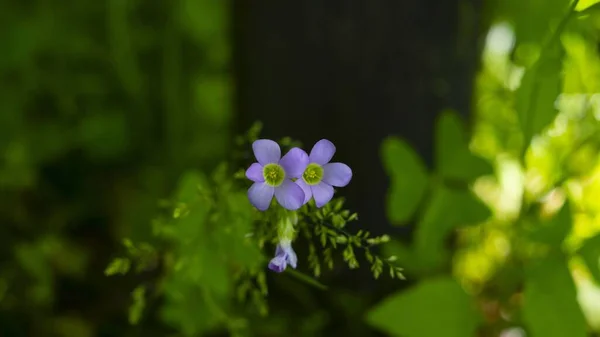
337	174
255	173
279	251
305	189
322	193
266	151
289	195
278	263
294	162
291	257
322	152
260	195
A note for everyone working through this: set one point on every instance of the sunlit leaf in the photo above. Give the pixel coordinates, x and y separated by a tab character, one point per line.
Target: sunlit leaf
435	307
408	179
582	66
550	307
590	252
587	5
453	158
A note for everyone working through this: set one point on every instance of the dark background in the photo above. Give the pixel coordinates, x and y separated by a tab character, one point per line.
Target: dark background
356	72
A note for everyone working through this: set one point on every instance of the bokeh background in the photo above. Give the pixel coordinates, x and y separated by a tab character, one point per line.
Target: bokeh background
472	128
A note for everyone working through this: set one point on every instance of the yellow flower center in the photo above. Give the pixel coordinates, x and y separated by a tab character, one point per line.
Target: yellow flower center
313	174
273	174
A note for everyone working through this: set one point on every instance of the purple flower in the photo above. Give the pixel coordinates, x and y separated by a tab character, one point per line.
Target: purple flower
284	255
272	176
320	175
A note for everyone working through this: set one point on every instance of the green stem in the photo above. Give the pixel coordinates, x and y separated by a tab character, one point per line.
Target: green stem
365	244
306	279
285	226
544	51
561	27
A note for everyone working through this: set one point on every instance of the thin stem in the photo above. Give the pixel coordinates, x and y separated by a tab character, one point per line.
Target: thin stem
364	242
544	50
365	245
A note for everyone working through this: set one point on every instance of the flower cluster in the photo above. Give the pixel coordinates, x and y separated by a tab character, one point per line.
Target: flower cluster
296	177
293	180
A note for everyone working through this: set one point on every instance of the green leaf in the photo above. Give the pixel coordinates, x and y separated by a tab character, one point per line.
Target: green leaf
534	19
590	252
550	307
408	177
586	6
554	230
435	307
453	157
447	210
118	266
540	86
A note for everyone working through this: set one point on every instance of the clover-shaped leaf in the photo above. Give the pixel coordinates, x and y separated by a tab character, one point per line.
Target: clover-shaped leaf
408	176
453	158
409	313
447	210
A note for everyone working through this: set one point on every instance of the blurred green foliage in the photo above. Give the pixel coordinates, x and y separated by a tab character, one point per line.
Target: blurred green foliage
103	106
123	215
445	294
518	242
